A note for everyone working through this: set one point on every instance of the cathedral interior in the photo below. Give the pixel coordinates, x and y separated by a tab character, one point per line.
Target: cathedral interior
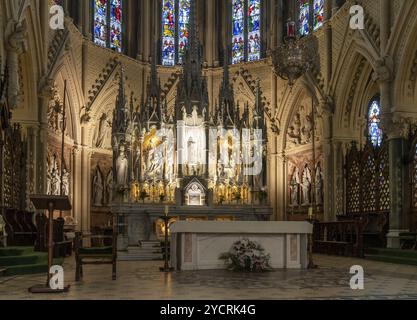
210	111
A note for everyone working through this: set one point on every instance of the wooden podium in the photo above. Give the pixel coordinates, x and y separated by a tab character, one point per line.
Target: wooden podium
50	203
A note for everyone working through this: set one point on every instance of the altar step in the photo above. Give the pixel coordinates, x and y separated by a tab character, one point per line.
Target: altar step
147	251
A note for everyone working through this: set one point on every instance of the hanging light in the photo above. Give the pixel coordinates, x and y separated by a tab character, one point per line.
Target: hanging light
292	59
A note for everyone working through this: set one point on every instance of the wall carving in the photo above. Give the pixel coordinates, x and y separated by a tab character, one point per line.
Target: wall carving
300	131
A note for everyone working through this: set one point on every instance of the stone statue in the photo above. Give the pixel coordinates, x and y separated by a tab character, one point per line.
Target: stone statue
121	168
192	152
109	187
319	186
295	181
55	183
65	183
305	186
98	189
103	131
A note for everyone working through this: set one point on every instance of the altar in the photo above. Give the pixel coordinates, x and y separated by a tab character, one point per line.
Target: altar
197	245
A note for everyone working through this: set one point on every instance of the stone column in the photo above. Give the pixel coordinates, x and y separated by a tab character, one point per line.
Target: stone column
86	19
85	186
338	180
145	34
335	6
44	96
398	181
76	180
15	46
327	108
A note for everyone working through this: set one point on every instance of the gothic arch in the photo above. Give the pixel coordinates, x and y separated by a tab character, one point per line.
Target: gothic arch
405	46
74	101
291	103
350	87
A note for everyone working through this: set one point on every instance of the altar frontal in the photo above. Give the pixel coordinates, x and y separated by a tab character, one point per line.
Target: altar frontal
198	245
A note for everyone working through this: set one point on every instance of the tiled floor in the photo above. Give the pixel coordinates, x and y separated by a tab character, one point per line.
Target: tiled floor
143	281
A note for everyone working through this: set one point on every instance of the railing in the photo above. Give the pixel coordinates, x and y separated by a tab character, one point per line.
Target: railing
342	238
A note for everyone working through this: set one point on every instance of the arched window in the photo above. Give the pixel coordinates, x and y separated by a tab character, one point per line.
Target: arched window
175	26
108	15
375	134
311	15
318	14
304	18
246	41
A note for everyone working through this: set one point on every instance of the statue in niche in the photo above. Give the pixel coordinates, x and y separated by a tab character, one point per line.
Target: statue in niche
307	130
98	189
306	185
319	186
109	187
103	131
65	182
155	161
55	182
54	111
137	162
295	181
121	167
192	151
224	152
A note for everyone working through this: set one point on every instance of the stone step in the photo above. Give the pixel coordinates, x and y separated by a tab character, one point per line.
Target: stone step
138	259
135	257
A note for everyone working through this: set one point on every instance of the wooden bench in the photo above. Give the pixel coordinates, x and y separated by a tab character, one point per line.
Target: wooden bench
342	238
85	255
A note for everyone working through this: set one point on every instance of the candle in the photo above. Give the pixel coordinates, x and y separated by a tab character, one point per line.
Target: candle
166	210
310	213
291	29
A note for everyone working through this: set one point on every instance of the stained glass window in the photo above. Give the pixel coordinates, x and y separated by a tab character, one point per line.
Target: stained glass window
116	25
175	28
318	13
304	18
238	48
246	37
168	38
183	24
108	17
374	118
100	22
254	30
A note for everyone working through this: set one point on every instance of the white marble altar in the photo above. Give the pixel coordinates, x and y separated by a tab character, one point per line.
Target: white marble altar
197	245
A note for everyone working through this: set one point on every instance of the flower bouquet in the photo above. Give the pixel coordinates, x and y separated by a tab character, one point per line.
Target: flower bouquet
247	256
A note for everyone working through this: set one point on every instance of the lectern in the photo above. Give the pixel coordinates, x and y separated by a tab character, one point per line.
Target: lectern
50	203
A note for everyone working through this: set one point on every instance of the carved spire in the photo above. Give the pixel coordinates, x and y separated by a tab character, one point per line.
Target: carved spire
154	87
192	88
152	108
259	110
226	97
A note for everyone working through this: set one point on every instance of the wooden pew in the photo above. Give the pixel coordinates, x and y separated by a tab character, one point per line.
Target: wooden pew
342	238
18	233
99	254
